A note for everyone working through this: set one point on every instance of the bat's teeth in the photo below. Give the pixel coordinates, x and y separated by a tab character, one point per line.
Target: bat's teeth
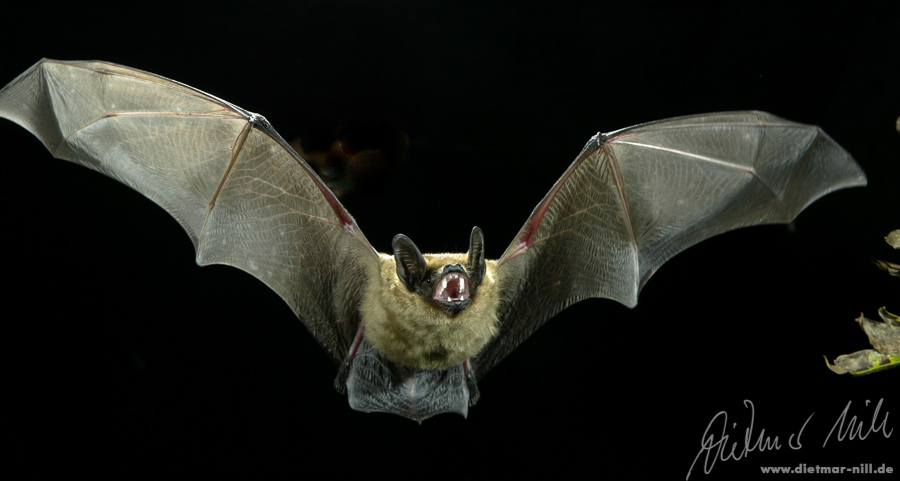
462	284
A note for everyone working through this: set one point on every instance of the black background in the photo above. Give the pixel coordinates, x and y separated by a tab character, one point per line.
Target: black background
122	358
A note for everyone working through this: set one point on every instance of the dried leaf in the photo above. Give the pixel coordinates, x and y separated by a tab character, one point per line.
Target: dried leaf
890	267
893	238
885	339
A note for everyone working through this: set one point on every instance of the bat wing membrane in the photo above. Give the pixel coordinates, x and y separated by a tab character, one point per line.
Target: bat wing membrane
636	197
244	197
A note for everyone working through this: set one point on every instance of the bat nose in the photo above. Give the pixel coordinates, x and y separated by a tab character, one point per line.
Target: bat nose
453	268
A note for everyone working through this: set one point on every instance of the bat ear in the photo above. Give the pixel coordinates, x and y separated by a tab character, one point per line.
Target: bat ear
476	255
411	264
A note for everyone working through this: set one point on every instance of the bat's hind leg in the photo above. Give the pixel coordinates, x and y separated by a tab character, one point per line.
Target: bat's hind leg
340	381
471	382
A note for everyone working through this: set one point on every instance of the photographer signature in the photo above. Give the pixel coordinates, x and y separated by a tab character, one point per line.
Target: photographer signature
717	445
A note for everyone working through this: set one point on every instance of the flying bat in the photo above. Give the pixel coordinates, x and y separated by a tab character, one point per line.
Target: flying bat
412	333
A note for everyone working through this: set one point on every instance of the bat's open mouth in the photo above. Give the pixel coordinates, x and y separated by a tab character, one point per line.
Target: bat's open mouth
454	286
454	289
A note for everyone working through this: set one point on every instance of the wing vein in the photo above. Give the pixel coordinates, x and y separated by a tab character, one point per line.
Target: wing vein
235	152
620	186
110	114
687	154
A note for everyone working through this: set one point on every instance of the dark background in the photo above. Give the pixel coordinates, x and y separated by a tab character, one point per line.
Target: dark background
122	358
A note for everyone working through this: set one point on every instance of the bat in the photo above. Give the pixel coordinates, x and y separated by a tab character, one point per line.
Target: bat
412	333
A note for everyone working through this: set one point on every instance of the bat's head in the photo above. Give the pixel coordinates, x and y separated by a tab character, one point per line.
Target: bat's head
449	287
432	311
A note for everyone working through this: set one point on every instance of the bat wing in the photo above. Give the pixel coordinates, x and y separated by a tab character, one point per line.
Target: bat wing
243	195
636	197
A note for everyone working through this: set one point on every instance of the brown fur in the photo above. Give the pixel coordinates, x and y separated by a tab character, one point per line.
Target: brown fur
412	332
